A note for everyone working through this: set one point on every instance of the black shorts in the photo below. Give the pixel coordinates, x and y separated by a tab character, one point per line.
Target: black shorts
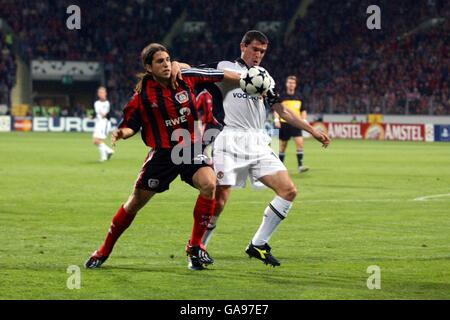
287	131
158	170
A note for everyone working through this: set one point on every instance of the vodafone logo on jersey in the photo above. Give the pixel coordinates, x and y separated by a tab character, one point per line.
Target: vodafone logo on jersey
241	95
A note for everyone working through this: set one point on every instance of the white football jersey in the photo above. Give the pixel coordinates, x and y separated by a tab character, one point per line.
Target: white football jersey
241	110
101	109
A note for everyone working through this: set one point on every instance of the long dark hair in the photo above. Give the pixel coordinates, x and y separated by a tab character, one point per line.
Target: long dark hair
146	58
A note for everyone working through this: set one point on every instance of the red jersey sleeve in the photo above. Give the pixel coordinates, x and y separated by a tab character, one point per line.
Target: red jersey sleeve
131	114
195	76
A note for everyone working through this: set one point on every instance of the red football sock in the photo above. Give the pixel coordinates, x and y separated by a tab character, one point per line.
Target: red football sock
203	211
120	222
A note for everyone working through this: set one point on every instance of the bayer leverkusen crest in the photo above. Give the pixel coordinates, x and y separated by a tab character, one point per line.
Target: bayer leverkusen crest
182	97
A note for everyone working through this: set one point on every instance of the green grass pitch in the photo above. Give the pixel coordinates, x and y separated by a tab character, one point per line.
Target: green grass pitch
355	209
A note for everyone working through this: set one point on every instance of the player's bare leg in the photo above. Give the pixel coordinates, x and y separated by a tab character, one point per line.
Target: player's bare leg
222	194
137	200
274	213
120	222
205	181
282	184
299	147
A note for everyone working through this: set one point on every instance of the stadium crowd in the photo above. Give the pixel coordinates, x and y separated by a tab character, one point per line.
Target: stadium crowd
7	68
113	33
342	66
226	26
345	68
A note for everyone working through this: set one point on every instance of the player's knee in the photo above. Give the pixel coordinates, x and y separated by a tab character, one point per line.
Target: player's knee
289	193
211	187
208	187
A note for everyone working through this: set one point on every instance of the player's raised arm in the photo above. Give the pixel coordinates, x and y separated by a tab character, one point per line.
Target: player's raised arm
293	119
175	74
231	77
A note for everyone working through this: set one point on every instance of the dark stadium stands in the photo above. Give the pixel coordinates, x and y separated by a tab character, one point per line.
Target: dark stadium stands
345	68
7	68
112	32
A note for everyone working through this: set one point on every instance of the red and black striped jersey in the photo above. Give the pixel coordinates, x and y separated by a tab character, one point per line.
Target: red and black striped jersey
158	111
204	103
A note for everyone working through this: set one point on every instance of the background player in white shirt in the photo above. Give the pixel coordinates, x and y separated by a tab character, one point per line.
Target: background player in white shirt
242	149
102	125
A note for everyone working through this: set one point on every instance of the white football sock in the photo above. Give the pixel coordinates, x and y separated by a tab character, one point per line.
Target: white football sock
102	151
276	211
209	231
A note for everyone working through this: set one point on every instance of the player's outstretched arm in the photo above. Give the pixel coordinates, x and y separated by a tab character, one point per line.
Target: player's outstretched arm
298	122
273	98
232	77
122	133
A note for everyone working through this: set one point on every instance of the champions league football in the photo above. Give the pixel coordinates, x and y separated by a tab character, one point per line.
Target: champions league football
256	81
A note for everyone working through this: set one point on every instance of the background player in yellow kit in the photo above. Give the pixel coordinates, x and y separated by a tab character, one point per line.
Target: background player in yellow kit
291	100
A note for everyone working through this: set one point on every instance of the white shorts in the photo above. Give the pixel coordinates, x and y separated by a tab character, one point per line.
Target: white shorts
238	154
102	128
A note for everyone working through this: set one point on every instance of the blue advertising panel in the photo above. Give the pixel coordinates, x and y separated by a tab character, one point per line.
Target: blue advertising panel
442	132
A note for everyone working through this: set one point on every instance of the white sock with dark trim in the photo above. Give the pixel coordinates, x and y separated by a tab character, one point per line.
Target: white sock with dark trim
276	211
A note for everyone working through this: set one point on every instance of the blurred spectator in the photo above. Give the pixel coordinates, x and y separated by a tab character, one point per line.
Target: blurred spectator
7	69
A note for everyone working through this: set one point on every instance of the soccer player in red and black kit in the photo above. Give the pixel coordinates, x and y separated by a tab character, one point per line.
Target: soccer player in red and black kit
205	105
157	110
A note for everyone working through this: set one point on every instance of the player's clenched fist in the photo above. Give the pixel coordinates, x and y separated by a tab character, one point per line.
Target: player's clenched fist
116	135
122	133
321	137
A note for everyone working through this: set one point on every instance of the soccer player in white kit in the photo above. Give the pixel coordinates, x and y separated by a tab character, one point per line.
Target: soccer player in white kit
102	125
242	149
